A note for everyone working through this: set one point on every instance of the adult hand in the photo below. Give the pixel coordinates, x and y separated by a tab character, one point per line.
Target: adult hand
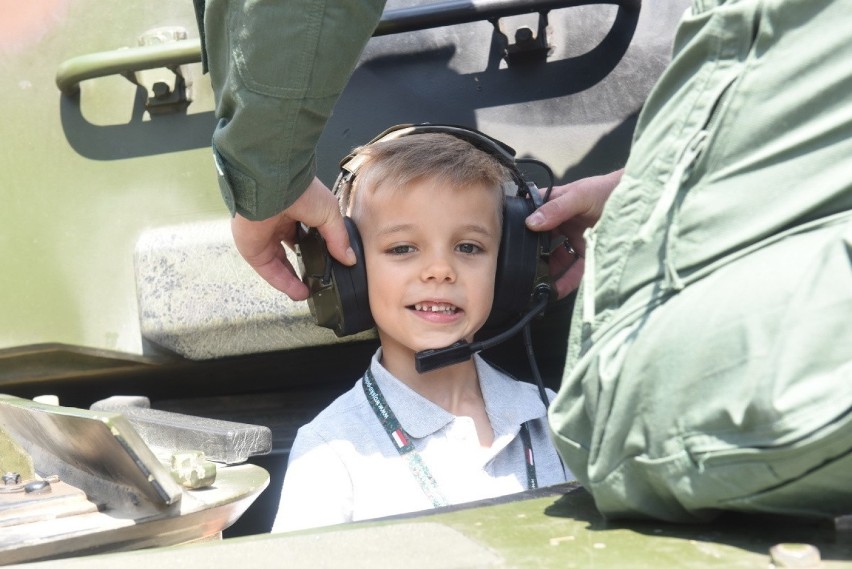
260	242
571	210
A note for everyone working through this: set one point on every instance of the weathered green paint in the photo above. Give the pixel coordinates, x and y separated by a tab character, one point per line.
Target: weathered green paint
558	531
568	531
83	176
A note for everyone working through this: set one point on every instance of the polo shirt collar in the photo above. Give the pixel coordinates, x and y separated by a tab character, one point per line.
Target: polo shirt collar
507	403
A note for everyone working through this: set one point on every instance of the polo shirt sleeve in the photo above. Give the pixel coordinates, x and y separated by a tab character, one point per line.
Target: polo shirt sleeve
317	489
277	69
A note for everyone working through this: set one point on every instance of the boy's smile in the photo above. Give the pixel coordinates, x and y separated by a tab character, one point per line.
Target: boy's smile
435	307
431	257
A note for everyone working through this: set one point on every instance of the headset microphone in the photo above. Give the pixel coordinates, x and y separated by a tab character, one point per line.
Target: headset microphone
428	360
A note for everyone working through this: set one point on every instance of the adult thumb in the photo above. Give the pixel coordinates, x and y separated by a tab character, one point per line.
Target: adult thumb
333	231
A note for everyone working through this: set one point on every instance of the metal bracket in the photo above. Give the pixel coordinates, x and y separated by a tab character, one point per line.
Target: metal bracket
529	46
174	54
169	99
169	87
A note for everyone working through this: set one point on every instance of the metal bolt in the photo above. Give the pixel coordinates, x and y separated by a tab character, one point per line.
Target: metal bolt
191	470
794	555
11	478
161	90
523	35
38	487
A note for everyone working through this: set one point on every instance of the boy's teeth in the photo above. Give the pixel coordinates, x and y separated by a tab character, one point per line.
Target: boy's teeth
435	307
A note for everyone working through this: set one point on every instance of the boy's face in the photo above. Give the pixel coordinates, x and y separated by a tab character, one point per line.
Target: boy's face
431	258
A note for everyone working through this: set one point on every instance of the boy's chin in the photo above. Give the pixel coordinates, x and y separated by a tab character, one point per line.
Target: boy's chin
437	344
421	343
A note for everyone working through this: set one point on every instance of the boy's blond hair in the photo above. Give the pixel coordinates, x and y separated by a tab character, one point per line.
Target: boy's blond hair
402	161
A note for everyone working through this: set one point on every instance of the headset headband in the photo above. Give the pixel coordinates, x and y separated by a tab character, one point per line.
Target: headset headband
502	152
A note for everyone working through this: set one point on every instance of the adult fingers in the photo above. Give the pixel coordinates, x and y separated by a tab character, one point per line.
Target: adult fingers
583	199
336	238
318	208
563	205
570	280
279	273
259	243
566	268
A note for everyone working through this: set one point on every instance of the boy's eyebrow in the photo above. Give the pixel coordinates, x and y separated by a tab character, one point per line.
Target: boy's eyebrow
394	228
477	229
398	228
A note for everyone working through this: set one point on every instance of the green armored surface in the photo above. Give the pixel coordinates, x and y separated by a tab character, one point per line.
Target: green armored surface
557	527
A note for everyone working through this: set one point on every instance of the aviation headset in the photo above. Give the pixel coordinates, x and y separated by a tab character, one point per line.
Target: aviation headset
338	294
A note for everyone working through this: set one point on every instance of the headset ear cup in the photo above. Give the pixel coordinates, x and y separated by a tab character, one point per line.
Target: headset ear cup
351	286
516	263
338	294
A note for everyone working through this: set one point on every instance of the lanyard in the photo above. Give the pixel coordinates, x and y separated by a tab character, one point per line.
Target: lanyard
402	442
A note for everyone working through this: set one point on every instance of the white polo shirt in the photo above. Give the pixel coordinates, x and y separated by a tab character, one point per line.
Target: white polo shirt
343	466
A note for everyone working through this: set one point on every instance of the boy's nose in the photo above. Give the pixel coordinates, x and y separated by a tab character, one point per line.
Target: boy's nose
438	268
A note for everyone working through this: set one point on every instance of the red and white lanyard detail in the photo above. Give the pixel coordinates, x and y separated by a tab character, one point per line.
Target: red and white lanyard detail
402	442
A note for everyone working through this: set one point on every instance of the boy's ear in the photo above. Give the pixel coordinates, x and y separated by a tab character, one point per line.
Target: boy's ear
338	294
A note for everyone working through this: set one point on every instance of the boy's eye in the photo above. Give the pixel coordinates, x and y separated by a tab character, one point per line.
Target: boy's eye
401	250
468	248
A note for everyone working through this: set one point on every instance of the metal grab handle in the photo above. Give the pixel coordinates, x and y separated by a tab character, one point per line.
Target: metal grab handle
128	60
456	12
125	61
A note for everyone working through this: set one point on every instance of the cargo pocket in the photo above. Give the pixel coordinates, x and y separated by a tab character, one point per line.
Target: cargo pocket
273	59
288	50
806	476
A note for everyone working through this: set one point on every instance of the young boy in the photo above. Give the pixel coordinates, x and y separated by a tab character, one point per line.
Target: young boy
429	211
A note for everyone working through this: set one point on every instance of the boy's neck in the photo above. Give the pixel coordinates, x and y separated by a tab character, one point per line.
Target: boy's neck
454	388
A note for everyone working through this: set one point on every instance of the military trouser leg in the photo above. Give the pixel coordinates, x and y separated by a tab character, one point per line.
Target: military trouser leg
710	358
736	393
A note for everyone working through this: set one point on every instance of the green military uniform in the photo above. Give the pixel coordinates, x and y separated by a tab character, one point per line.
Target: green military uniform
710	359
277	68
